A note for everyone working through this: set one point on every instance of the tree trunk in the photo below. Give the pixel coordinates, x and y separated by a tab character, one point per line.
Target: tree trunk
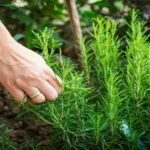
75	25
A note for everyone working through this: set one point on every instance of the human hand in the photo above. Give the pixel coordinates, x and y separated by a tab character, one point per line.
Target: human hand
24	72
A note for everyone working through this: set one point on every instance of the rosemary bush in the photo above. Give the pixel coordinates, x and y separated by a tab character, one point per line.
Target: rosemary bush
5	142
106	106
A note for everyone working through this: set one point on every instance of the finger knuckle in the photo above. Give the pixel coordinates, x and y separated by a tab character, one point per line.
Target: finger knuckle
18	81
26	87
34	77
45	70
8	84
39	79
48	71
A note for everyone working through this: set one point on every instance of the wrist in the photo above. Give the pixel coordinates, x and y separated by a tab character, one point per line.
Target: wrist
5	37
8	51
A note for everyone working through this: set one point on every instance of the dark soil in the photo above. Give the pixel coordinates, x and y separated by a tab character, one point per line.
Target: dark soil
22	129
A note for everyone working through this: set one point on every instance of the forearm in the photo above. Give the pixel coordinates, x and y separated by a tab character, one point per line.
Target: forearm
5	37
7	44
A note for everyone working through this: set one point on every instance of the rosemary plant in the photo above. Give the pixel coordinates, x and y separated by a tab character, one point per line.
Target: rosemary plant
106	65
107	106
97	104
137	80
5	141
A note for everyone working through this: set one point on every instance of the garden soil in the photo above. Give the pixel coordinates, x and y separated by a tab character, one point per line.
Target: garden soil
21	129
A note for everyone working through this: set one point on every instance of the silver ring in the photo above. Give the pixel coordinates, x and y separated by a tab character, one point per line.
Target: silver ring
35	95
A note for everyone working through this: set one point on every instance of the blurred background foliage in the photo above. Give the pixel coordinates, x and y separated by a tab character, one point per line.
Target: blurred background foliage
21	17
